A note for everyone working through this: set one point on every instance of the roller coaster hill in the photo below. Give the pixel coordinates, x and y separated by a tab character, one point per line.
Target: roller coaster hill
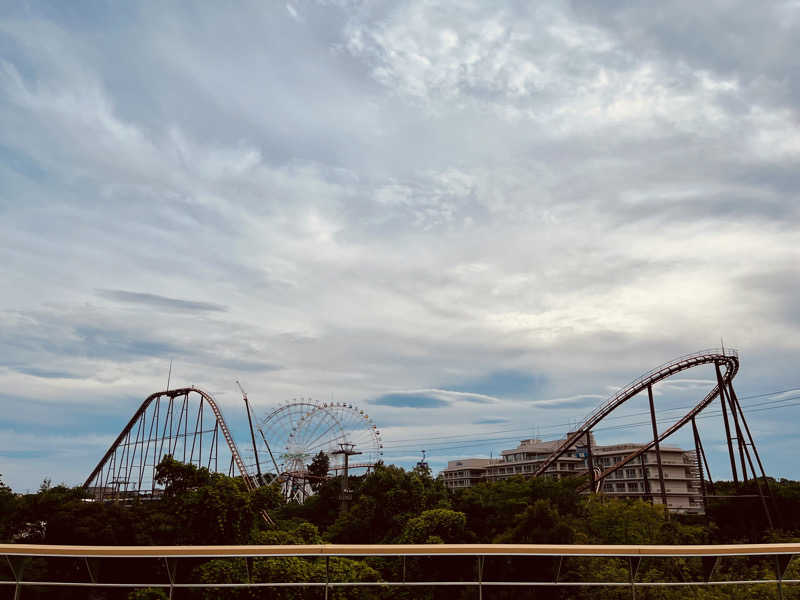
187	424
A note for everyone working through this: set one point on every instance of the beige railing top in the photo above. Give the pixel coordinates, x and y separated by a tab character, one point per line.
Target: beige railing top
399	549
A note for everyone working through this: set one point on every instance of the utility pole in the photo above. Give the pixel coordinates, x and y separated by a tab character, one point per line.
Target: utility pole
347	450
423	463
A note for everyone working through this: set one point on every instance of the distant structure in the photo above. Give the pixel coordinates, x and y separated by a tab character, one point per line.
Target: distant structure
185	423
649	469
641	480
294	432
423	464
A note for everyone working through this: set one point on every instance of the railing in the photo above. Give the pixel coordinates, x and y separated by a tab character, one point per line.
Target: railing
779	555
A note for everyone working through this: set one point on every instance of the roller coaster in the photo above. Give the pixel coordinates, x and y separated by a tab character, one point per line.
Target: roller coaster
726	365
187	424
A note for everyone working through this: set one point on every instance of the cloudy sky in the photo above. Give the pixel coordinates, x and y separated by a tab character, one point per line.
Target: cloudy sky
475	220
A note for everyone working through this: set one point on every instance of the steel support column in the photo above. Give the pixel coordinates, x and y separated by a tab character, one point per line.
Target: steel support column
645	479
589	460
705	462
658	449
736	407
739	437
747	430
758	458
700	466
721	387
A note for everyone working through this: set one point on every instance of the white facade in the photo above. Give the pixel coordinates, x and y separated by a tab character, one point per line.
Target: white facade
681	476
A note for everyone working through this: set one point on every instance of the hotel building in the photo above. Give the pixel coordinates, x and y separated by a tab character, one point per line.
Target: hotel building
638	479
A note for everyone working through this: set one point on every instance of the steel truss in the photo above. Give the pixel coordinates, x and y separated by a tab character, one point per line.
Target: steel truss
185	423
726	365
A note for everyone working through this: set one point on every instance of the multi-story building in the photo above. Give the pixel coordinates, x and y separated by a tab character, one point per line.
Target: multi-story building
639	479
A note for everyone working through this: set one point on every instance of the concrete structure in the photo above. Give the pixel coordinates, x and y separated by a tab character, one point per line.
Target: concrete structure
681	476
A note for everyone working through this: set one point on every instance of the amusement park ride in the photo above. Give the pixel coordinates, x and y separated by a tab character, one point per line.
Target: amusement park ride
186	423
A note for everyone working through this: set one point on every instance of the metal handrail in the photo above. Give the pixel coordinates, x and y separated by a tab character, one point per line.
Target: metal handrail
16	554
306	550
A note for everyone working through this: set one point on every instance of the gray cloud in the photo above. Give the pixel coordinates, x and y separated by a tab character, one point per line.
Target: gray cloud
47	374
491	421
156	301
409	401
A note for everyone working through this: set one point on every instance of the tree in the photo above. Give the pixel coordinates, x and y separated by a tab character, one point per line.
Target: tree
436	526
200	507
8	505
286	569
539	523
383	502
318	469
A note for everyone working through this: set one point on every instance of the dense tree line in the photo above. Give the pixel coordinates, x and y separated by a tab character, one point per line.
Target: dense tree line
391	506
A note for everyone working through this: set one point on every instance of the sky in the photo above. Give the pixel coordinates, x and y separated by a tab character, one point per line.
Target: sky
473	220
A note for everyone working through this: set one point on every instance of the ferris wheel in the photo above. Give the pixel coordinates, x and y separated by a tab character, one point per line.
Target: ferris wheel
295	432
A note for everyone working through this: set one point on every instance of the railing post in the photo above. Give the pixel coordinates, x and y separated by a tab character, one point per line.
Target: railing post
710	564
327	574
172	567
781	563
17	573
92	576
480	577
779	577
248	567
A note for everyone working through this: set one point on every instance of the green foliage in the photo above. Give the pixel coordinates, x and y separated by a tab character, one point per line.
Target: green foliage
293	533
539	523
436	526
391	505
492	507
318	469
611	521
148	594
383	503
8	507
200	507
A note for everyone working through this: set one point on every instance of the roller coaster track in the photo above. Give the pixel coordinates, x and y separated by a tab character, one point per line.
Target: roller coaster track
123	452
727	358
